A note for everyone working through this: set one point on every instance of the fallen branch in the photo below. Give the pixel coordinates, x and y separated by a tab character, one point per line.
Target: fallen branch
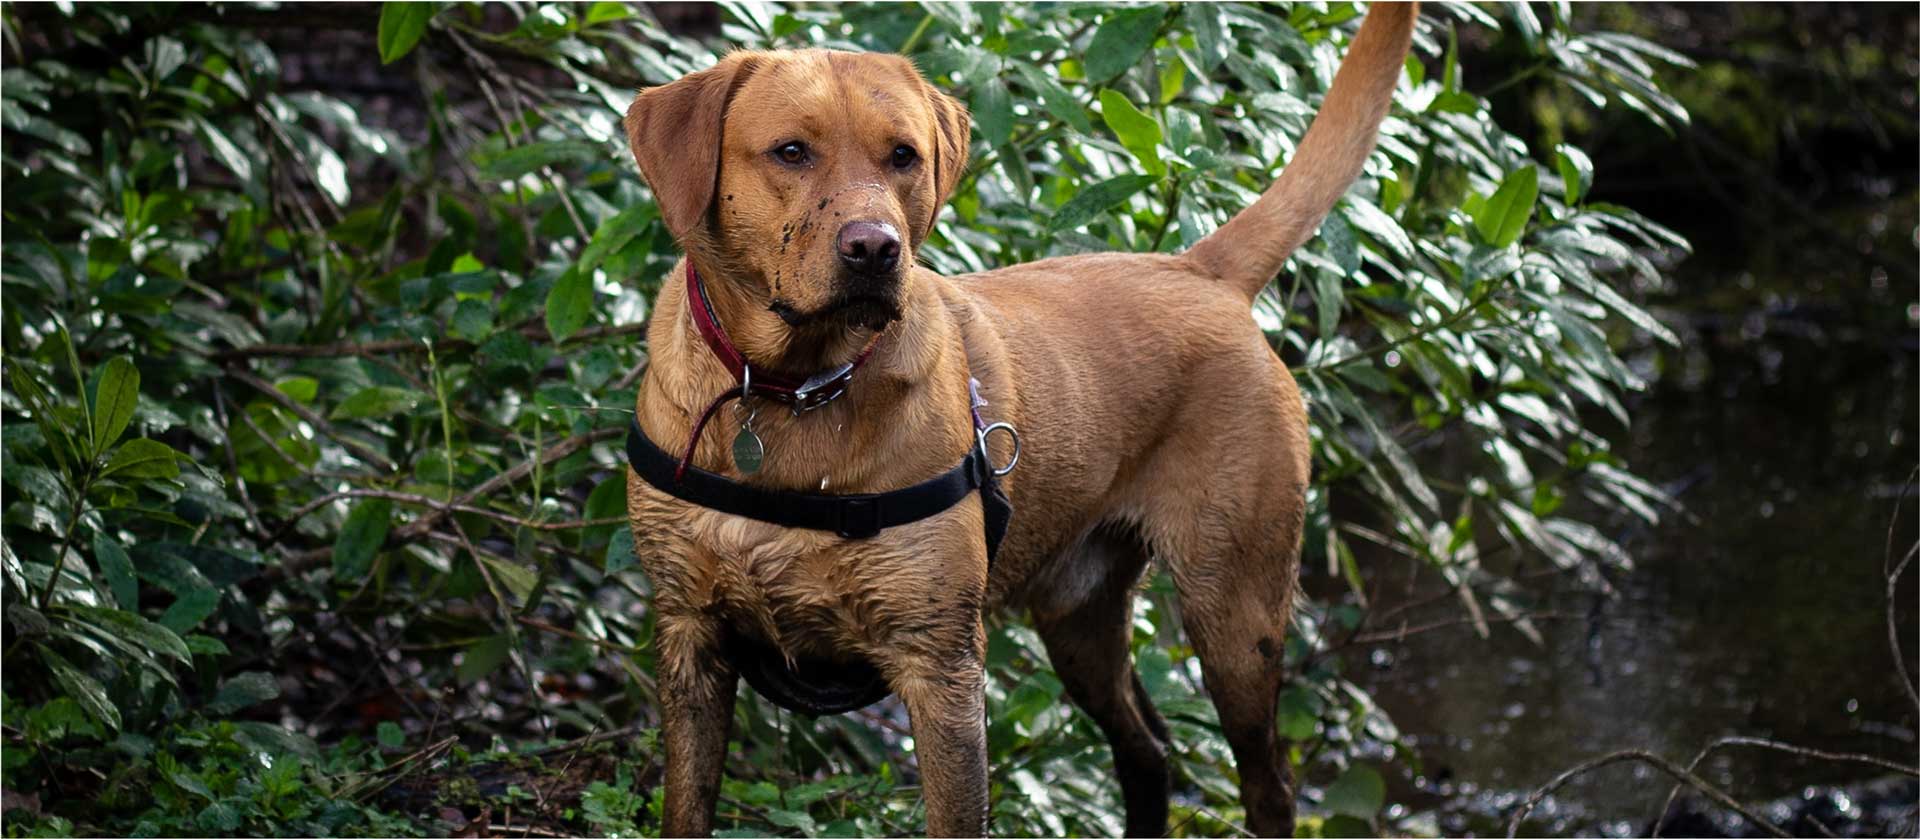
1775	745
1684	776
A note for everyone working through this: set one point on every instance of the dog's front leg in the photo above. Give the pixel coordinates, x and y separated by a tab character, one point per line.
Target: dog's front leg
945	695
696	716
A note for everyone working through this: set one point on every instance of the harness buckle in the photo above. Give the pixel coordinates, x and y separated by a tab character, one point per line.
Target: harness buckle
859	517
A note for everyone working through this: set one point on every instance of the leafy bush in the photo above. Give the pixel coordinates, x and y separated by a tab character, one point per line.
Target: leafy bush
320	332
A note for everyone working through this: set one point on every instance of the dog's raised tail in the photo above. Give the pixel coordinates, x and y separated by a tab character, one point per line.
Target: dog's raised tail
1249	249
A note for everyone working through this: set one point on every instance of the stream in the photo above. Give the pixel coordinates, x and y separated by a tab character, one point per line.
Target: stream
1785	424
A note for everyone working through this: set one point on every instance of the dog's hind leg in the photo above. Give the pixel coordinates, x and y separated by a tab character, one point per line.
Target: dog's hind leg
1088	642
1232	544
1235	604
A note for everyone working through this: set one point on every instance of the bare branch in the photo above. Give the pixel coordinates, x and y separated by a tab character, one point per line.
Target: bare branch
1775	745
1658	762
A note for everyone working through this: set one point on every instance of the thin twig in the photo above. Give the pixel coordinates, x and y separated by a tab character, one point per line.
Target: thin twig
359	450
493	484
515	649
1658	762
233	461
543	626
307	509
1892	573
1404	632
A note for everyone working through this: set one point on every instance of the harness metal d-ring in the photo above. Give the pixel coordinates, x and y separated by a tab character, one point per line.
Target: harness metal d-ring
1013	461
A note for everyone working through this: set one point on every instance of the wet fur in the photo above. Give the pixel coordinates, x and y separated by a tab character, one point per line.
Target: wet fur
1157	424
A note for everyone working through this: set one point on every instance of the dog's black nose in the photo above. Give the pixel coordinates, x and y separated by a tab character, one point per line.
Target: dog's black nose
869	247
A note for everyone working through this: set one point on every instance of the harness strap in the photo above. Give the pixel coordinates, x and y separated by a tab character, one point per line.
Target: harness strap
849	516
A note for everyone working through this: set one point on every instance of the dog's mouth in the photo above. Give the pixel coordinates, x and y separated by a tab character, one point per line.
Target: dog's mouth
871	311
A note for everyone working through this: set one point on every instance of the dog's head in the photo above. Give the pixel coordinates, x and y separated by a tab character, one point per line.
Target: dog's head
812	176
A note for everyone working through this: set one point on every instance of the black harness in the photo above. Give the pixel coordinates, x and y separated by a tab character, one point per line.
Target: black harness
849	516
818	687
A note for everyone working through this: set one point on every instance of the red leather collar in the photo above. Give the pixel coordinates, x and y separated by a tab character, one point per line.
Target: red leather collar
802	394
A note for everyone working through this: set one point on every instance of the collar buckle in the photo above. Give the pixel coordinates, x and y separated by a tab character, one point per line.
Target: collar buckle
821	388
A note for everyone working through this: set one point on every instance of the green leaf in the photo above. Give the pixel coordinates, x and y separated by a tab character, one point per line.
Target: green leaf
620	550
1346	827
1122	38
1058	102
518	581
1576	171
608	499
1137	131
206	645
1299	714
472	320
481	658
113	402
1209	34
224	150
118	569
1505	215
401	25
83	688
303	389
1359	792
614	234
569	304
1379	227
390	734
602	12
992	107
513	163
142	633
1097	199
141	457
361	536
190	609
377	401
796	819
243	691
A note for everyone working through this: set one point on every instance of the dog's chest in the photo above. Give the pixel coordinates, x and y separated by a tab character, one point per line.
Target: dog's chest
797	588
809	592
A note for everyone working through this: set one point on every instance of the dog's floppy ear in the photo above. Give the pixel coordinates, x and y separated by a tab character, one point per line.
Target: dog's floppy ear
675	133
952	128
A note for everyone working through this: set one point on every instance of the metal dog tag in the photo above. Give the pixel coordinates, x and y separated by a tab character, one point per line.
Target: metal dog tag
748	452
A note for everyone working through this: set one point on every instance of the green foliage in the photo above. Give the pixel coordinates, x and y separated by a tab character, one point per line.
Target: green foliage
313	391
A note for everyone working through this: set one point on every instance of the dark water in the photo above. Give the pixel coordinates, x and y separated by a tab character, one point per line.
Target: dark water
1786	424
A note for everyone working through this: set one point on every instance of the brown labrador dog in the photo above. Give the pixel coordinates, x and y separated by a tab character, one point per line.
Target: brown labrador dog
1156	422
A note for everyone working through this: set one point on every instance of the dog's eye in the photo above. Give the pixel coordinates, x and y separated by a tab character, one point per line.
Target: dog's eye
904	156
793	154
